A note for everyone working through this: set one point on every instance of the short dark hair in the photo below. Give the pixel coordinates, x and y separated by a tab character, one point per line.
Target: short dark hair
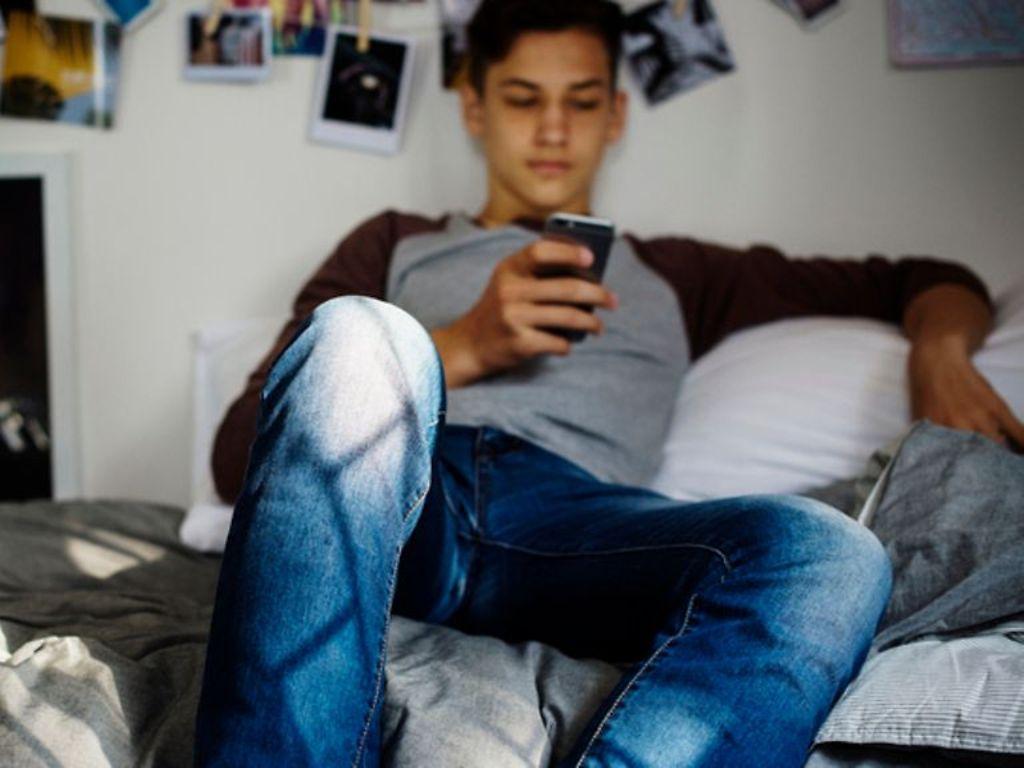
498	23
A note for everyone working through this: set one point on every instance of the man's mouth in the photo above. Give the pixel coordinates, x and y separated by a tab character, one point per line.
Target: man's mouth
549	167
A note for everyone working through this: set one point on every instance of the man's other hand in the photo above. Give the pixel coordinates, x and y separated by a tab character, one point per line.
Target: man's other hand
505	326
947	389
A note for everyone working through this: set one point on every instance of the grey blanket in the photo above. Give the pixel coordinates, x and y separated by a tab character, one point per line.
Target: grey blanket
103	620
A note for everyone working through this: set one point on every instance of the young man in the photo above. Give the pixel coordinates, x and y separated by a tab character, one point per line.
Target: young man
416	442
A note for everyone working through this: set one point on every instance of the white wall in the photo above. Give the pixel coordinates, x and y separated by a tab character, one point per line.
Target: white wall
207	203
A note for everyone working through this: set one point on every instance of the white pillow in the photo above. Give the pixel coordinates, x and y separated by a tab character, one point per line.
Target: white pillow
223	357
798	403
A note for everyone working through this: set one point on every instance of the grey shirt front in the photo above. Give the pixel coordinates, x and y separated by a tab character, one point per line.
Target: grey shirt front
606	405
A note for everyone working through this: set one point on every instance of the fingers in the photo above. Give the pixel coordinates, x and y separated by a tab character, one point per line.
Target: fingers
1010	427
548	253
532	342
564	290
558	316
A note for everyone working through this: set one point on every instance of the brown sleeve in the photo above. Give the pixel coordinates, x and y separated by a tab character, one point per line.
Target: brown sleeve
358	266
722	289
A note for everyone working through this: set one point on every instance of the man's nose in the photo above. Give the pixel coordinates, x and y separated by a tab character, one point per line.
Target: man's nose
554	125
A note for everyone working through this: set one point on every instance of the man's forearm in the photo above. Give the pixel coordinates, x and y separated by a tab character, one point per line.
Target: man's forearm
947	319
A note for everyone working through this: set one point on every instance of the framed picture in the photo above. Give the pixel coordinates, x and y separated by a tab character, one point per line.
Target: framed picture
361	98
239	49
955	32
39	444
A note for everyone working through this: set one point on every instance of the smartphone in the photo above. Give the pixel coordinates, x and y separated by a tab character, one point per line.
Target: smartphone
597	235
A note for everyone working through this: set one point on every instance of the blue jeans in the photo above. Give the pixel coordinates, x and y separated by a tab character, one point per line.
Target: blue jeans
741	619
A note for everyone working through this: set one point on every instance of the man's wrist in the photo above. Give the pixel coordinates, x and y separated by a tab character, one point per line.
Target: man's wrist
942	347
461	366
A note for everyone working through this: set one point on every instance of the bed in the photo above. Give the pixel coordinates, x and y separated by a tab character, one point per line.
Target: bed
105	604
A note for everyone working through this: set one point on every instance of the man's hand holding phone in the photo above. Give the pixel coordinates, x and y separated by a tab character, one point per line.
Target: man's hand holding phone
506	326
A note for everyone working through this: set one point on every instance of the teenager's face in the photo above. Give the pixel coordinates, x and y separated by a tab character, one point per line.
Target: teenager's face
546	115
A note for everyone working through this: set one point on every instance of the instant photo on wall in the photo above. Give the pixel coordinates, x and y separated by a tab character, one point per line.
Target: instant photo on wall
361	98
61	69
237	50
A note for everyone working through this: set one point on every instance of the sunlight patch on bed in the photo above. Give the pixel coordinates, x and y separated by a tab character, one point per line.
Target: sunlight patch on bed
105	553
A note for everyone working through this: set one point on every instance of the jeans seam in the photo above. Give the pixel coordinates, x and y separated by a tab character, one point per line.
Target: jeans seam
382	651
378	676
644	667
620	551
419	498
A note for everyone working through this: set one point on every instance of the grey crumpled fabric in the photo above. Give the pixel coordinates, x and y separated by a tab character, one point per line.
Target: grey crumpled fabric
951	516
944	683
949	507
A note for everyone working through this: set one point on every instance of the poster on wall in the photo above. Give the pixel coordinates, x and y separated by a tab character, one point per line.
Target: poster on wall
669	54
361	98
925	33
61	69
25	456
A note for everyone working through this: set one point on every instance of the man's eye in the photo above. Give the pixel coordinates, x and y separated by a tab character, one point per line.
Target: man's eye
585	105
521	102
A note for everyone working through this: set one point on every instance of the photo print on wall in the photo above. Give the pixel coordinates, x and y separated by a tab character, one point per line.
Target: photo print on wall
669	54
299	26
237	50
61	69
361	98
955	32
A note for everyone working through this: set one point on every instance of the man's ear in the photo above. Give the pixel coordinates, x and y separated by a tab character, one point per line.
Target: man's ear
620	109
472	109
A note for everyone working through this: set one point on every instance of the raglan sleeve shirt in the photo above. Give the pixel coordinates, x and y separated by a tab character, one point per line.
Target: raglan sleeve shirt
719	290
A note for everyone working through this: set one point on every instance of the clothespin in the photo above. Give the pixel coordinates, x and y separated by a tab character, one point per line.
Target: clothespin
363	39
679	8
213	20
